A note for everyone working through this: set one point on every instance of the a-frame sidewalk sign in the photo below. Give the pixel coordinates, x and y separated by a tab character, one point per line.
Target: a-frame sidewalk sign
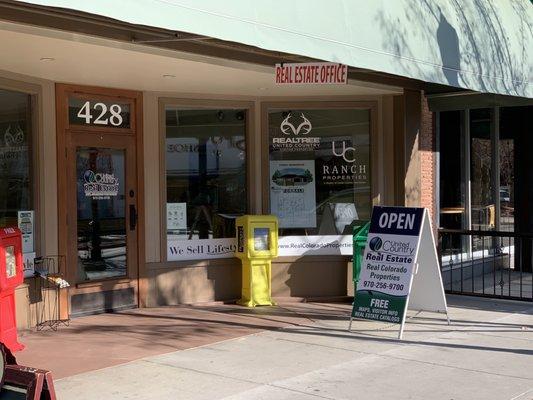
400	268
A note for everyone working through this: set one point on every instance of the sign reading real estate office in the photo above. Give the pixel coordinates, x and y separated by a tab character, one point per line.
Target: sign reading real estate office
320	73
388	264
400	268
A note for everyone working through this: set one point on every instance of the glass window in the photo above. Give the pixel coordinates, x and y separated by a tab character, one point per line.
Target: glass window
15	156
205	153
510	126
319	170
481	174
452	178
495	153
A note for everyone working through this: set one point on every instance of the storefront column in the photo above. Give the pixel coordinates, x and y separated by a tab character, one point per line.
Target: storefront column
428	158
415	155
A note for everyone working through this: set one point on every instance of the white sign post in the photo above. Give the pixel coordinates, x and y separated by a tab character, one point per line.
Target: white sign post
400	268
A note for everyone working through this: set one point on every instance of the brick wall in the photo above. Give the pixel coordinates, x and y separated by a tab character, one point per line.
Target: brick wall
428	171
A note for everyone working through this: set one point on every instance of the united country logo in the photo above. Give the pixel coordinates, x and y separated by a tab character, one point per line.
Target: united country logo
375	243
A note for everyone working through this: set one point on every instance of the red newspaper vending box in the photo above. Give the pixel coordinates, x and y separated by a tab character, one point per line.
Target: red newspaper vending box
11	275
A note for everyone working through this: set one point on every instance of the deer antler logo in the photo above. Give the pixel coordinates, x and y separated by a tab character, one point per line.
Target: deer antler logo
304	127
12	139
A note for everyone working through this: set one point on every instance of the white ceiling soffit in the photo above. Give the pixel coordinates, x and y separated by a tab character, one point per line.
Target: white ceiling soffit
480	45
71	58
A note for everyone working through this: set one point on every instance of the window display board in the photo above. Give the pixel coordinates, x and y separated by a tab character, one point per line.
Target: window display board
292	193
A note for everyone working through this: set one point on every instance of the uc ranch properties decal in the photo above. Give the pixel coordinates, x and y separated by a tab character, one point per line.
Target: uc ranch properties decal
339	162
344	168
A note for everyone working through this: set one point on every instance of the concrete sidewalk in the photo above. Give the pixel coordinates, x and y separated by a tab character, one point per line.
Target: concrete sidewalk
487	353
104	340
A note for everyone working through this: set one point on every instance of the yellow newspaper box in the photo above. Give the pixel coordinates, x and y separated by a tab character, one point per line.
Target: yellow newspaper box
257	245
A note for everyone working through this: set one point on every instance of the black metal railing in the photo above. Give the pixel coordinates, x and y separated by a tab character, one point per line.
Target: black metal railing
487	263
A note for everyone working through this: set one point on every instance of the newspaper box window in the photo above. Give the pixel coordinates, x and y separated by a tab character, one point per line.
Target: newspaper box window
319	177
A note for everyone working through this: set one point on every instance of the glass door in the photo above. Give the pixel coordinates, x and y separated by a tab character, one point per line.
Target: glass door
101	213
104	206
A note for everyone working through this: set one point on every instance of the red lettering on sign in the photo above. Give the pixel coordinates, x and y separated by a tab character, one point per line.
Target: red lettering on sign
311	73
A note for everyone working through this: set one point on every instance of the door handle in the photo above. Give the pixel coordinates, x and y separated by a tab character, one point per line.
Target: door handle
133	217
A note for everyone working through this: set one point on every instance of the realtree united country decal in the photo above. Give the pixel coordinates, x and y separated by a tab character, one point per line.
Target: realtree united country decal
295	129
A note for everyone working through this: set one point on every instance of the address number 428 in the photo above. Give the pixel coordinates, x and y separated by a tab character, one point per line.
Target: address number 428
104	118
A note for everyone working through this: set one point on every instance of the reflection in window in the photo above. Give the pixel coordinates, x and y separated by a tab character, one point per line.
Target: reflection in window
319	170
205	152
15	156
452	181
510	125
487	163
482	184
453	210
101	213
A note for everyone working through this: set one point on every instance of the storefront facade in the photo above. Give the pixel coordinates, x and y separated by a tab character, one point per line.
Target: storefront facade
214	166
127	164
133	194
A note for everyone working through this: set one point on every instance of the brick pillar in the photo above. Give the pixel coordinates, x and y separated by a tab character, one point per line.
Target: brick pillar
415	157
428	173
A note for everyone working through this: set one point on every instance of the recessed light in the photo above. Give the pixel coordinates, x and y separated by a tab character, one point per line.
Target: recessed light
169	76
47	59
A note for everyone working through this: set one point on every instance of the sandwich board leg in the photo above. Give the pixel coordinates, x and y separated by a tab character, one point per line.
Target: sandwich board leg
400	334
351	314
